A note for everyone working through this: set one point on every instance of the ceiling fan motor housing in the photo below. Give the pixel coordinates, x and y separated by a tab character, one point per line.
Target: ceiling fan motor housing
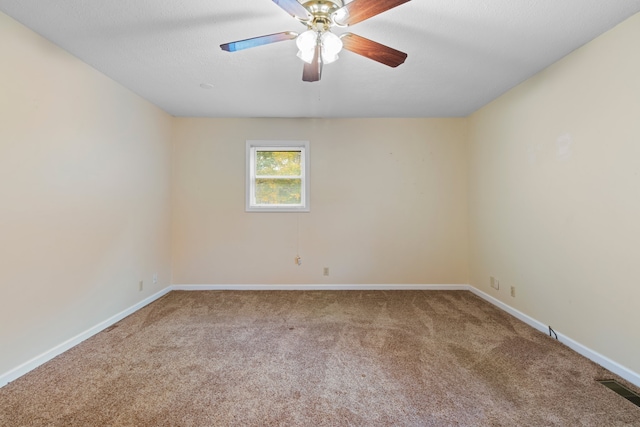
321	11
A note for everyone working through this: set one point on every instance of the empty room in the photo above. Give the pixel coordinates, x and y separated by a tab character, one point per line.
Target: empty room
320	213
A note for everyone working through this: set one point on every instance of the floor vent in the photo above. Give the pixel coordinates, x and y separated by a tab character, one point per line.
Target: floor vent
622	391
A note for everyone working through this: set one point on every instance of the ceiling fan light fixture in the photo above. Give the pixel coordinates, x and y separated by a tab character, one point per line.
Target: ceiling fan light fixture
306	55
306	43
331	47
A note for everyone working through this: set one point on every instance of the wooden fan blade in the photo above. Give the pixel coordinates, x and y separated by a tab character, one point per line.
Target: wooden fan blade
293	8
373	50
313	71
359	10
258	41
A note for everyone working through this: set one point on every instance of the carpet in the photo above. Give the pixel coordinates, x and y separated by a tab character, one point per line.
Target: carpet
317	358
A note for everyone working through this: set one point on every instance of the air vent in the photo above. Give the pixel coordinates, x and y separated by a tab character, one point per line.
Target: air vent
622	391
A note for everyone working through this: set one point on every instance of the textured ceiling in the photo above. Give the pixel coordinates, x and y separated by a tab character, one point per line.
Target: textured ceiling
462	53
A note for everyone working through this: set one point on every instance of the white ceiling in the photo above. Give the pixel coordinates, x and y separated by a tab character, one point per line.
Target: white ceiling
462	53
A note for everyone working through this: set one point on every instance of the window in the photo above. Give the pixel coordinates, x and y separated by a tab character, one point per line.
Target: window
277	176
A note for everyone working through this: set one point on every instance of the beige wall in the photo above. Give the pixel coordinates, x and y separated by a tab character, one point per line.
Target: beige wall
555	195
388	204
84	196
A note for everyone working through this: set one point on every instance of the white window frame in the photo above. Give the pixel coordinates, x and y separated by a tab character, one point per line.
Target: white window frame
253	146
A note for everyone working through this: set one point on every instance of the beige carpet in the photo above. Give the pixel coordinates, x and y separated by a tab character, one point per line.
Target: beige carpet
317	358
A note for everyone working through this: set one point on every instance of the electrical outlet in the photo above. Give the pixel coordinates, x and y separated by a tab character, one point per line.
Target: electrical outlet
513	291
141	285
155	278
325	271
495	283
298	260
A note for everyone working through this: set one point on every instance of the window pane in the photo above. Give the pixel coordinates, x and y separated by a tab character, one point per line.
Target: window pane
278	191
278	163
277	176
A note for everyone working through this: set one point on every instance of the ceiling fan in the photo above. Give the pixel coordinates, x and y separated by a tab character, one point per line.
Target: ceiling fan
318	45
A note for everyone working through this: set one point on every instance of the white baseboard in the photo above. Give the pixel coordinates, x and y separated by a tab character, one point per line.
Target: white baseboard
512	311
318	287
605	362
19	371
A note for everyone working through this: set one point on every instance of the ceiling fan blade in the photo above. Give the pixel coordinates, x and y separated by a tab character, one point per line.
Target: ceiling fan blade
359	10
293	8
373	50
313	71
258	41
